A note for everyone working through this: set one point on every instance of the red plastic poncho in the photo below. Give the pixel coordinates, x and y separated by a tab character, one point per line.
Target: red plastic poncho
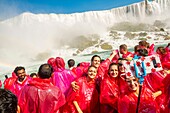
62	77
109	94
102	69
116	57
17	86
9	81
51	61
128	103
167	48
81	70
41	96
166	83
86	97
127	55
165	60
153	81
151	49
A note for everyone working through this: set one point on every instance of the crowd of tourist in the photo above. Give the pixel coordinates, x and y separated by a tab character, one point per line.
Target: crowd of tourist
99	86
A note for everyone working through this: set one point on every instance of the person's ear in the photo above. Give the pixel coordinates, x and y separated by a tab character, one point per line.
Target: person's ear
18	109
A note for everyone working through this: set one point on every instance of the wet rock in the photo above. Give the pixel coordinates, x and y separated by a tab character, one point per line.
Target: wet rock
82	42
159	24
93	52
142	38
167	38
106	46
149	37
129	35
143	34
162	29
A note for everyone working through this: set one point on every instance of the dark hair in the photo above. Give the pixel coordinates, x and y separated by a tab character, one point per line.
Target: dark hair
45	71
142	52
123	46
6	76
122	59
33	74
18	68
136	48
113	64
162	50
94	57
71	63
8	101
78	64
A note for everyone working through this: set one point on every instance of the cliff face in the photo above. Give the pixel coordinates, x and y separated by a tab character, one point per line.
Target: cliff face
135	13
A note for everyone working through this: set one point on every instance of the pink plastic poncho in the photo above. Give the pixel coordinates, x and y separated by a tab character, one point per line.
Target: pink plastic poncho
17	86
0	84
86	97
62	77
128	103
41	96
109	94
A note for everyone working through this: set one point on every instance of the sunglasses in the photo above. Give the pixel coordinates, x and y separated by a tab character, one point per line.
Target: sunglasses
120	64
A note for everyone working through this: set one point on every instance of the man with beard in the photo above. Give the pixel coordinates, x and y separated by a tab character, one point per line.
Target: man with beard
21	80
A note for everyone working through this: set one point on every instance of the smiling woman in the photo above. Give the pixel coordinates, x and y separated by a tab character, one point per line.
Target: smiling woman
127	103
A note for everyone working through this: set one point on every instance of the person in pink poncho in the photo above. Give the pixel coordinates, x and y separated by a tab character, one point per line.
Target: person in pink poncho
21	81
128	102
85	99
40	95
62	77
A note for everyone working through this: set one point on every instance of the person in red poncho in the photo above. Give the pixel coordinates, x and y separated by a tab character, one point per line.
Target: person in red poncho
85	99
8	82
40	95
51	61
62	77
110	90
21	80
101	67
164	57
125	53
166	83
128	102
167	47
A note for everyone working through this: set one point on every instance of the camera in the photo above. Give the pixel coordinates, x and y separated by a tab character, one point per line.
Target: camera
142	52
